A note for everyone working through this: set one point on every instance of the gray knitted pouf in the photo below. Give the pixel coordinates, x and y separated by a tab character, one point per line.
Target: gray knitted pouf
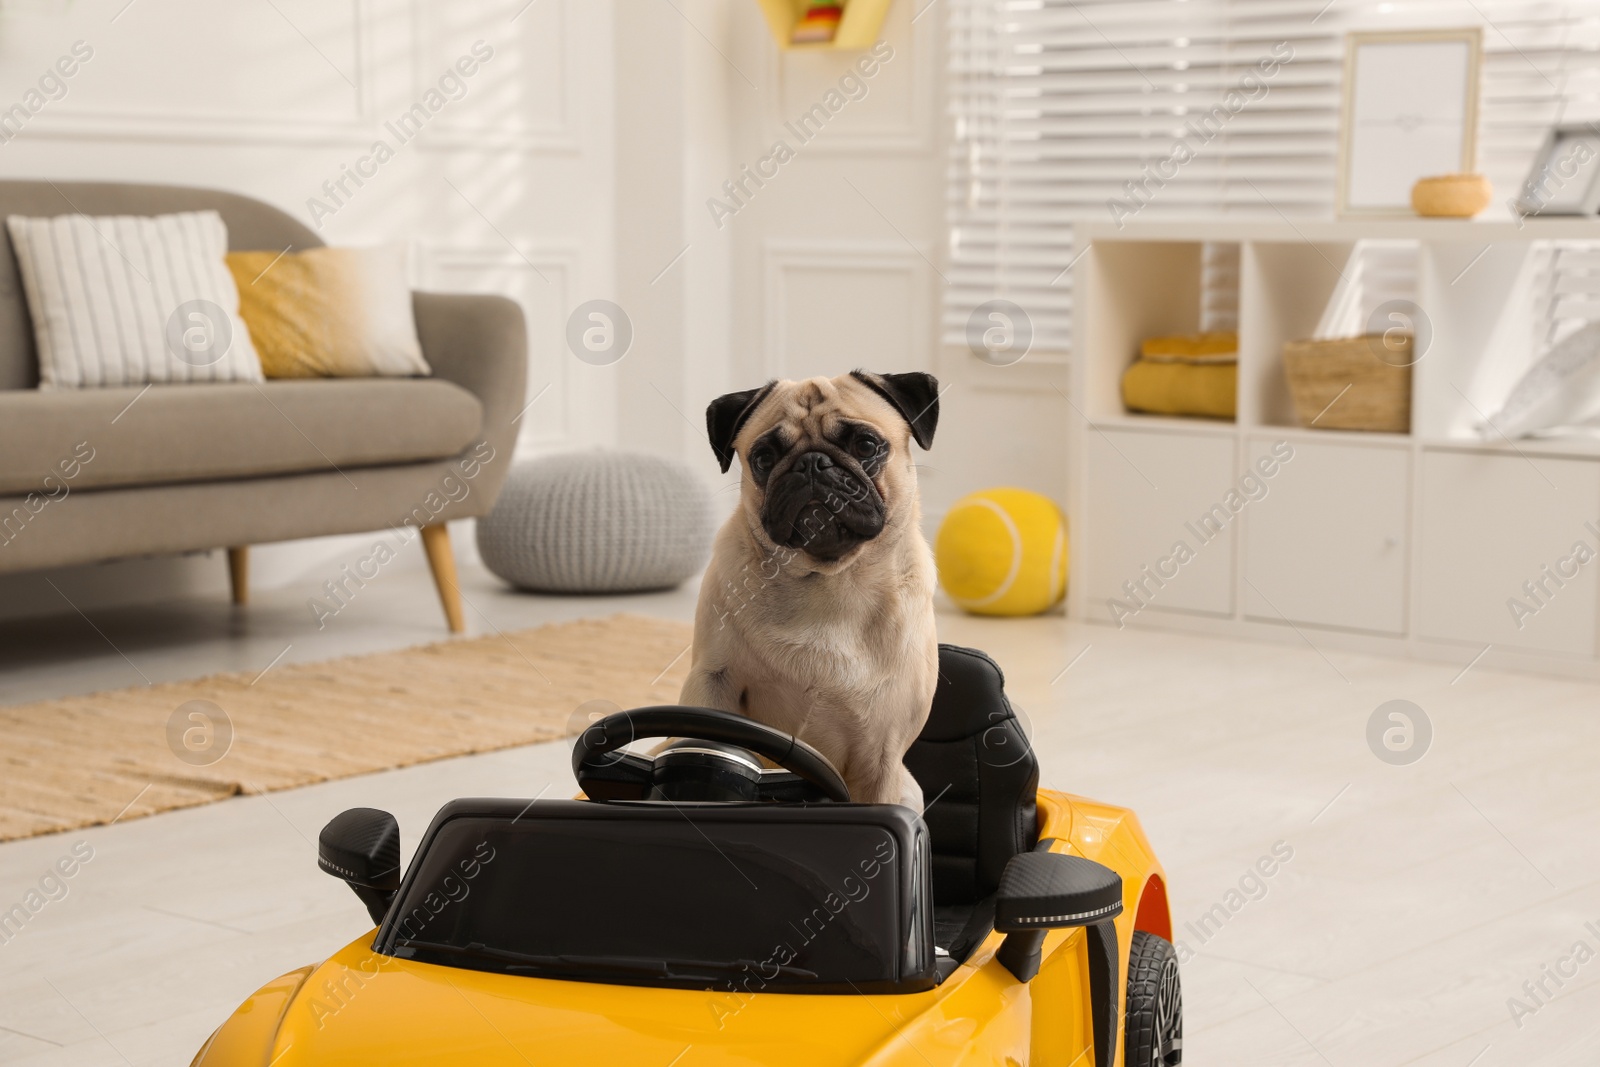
598	522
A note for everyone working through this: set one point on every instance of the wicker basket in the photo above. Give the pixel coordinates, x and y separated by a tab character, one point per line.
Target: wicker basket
1373	374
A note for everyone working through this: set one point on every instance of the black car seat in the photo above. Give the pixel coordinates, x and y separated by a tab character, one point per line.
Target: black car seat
980	781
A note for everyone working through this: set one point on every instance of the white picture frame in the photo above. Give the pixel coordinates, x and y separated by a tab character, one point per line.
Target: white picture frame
1409	111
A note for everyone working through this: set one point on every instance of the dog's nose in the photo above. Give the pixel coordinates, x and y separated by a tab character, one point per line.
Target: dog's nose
812	464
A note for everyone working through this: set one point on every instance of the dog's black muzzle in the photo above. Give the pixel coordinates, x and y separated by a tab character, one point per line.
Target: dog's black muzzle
821	507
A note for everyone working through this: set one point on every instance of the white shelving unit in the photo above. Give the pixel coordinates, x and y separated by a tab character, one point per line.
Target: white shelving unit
1409	544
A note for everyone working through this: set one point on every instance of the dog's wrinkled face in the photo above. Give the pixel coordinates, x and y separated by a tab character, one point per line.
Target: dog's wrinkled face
827	461
819	477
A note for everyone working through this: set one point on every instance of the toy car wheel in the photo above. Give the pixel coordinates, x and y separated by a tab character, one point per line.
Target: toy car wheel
1154	1028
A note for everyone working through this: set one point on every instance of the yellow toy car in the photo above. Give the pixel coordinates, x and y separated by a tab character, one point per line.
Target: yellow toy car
697	907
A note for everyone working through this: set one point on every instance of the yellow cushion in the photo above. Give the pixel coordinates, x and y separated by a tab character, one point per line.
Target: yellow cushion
1192	348
329	312
1181	388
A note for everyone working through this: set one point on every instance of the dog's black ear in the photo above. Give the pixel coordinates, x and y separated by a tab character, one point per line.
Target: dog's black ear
726	416
915	395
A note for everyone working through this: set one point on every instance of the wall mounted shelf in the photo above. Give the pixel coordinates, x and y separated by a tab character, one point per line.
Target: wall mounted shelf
859	26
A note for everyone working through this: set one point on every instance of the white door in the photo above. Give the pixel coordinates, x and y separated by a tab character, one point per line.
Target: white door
1499	531
1154	540
1326	542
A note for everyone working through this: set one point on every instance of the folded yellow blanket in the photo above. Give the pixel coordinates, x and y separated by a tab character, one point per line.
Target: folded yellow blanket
1192	348
1182	388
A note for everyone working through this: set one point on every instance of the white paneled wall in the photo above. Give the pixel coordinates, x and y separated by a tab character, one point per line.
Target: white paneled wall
580	160
510	176
837	262
823	301
507	187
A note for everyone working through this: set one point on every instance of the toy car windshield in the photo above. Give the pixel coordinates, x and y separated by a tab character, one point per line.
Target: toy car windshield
808	899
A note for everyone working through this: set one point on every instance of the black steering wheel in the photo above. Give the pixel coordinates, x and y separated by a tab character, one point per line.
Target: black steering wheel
713	762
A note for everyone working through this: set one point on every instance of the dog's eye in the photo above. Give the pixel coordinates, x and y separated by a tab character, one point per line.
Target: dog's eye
865	446
761	460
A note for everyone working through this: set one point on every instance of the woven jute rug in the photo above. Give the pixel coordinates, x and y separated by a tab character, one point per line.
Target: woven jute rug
83	761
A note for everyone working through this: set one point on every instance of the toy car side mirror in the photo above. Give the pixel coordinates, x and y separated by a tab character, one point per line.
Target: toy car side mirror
1043	891
361	846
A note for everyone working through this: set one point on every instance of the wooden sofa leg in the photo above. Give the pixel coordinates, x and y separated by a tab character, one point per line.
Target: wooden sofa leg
436	542
239	573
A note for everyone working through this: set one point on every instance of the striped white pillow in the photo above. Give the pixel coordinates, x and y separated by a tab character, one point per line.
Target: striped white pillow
126	300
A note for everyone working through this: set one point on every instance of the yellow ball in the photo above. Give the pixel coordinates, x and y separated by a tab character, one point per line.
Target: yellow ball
1003	552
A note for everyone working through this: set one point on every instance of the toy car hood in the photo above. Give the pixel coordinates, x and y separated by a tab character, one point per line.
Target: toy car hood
360	1006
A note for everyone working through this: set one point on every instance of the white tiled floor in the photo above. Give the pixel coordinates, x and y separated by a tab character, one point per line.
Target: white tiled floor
1418	899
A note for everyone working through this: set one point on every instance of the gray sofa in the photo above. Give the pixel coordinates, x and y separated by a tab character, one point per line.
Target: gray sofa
200	466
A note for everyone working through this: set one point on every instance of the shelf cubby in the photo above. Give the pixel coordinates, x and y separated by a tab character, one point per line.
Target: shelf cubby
1478	301
1283	288
1140	289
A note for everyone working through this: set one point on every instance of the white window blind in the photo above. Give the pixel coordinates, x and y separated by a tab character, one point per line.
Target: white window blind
1062	111
1378	272
1566	290
1219	287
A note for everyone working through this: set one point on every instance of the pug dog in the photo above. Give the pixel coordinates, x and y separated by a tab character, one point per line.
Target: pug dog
816	613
